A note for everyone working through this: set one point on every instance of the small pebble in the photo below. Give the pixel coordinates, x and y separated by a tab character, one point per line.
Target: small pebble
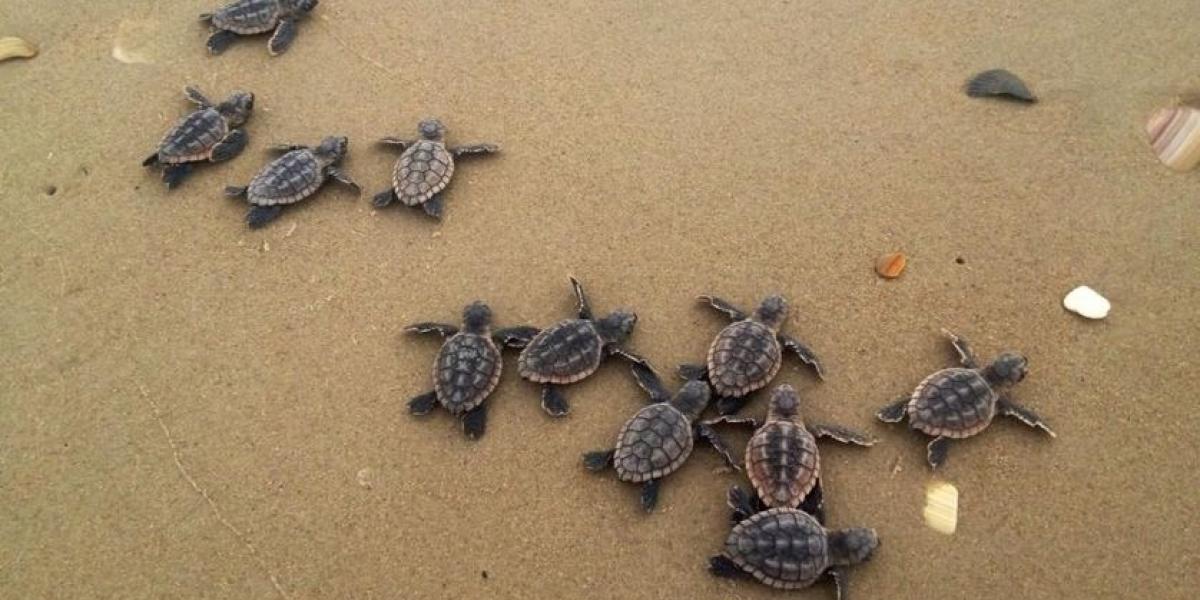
941	507
890	266
364	477
13	47
1086	302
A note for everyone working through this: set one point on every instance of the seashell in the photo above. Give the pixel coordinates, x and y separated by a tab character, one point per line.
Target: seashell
12	47
1175	136
890	266
941	507
998	82
1086	302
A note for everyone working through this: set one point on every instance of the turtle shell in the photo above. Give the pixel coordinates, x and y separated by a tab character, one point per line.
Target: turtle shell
562	353
247	17
782	463
653	443
743	358
955	403
422	171
287	180
784	548
193	137
465	372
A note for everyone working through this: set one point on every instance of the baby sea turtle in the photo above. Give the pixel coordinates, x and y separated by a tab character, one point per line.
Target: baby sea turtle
572	349
658	439
291	178
782	459
211	132
788	549
249	17
467	368
747	354
960	402
424	169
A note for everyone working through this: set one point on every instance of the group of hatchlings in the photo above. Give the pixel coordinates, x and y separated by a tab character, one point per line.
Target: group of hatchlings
778	536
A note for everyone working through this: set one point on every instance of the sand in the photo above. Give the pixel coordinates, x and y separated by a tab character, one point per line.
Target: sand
193	409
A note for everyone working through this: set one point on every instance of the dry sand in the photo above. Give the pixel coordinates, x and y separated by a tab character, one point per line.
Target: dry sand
192	409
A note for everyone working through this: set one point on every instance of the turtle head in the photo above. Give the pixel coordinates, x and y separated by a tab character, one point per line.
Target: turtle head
333	148
1007	369
773	311
237	108
692	398
852	546
477	317
785	404
431	129
617	326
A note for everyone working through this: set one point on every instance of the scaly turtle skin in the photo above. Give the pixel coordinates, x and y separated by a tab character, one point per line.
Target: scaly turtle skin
746	355
467	368
782	459
788	549
250	17
296	175
424	169
657	440
958	402
573	349
210	133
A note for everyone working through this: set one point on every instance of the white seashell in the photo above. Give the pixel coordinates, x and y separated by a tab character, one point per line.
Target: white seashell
1085	301
1175	136
11	47
941	507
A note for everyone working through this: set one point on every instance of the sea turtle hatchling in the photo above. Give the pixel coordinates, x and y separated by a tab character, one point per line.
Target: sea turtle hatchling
424	169
788	549
960	402
782	459
296	175
467	368
747	353
658	439
250	17
212	132
573	349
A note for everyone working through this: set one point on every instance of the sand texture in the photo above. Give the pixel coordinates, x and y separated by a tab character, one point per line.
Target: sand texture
191	409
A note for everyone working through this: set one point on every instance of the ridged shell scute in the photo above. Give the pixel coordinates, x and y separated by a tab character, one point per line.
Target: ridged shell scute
466	371
287	180
422	171
783	463
193	137
248	17
955	403
784	548
563	353
653	443
744	357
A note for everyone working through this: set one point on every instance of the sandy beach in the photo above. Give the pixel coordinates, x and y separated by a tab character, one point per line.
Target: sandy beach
192	409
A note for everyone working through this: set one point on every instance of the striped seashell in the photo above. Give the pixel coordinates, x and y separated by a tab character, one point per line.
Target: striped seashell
1175	136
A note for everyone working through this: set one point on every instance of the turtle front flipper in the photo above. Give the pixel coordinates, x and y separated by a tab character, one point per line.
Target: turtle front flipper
710	435
721	566
627	355
1008	408
840	583
474	422
691	372
384	198
220	41
806	355
434	206
598	460
442	329
261	215
423	404
341	177
732	420
173	175
229	147
650	382
650	494
285	34
965	354
844	435
937	450
395	141
734	313
282	149
742	504
195	96
894	412
515	337
553	401
582	306
471	149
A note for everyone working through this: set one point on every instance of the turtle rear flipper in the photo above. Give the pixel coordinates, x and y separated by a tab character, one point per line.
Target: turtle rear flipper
894	412
692	372
474	422
814	503
515	337
650	494
730	406
742	504
553	401
173	175
230	147
285	34
261	215
434	207
206	17
384	198
151	160
220	41
598	460
937	450
721	566
234	191
421	405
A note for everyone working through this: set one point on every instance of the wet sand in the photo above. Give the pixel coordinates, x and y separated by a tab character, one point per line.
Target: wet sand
193	409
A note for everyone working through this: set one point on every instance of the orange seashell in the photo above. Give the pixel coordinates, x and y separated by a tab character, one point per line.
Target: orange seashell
1175	136
890	266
